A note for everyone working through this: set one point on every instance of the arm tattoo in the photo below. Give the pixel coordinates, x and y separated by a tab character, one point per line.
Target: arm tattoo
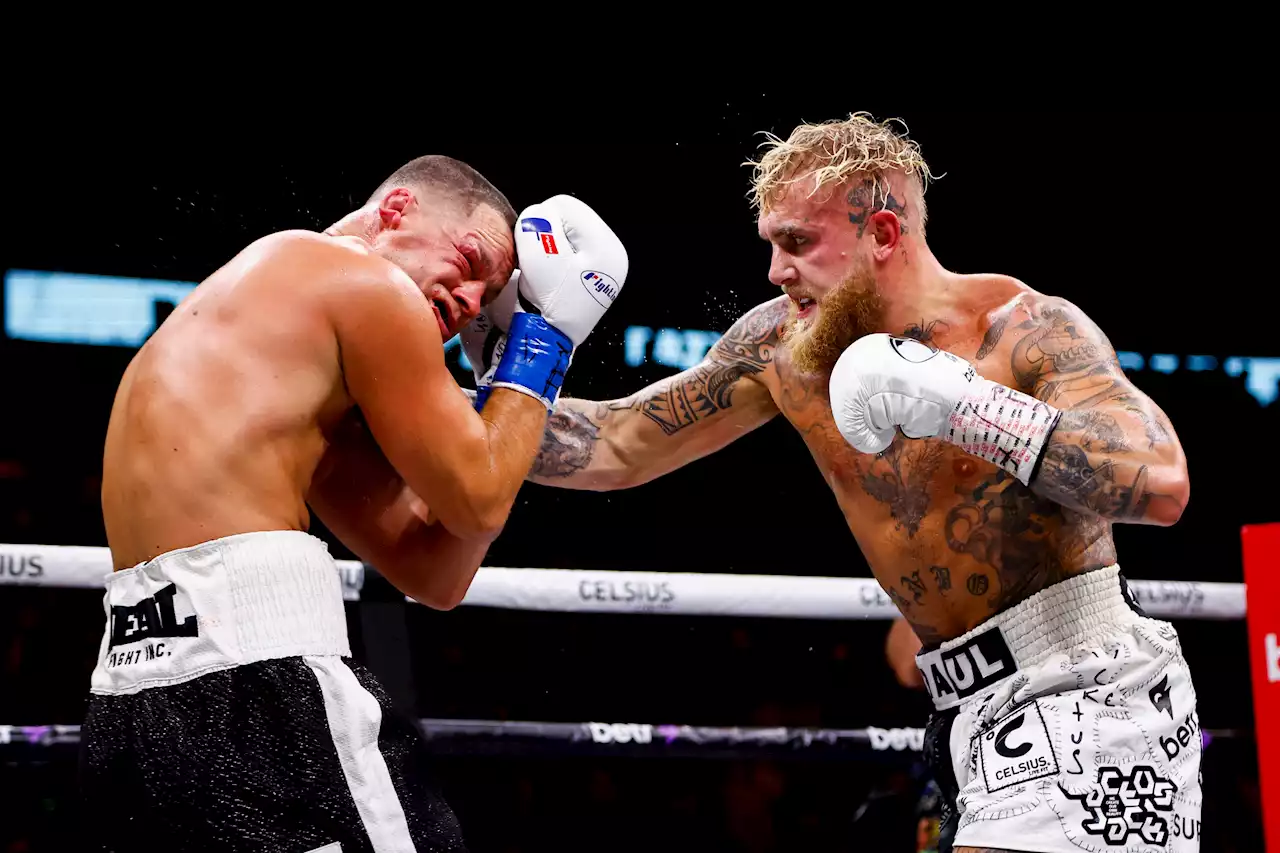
1060	357
1075	478
746	349
1111	448
568	444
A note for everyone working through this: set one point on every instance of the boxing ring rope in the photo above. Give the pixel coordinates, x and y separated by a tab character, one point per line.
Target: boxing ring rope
676	593
591	591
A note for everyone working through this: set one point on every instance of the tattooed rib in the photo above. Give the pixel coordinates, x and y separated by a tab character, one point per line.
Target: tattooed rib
1002	524
901	477
568	444
746	349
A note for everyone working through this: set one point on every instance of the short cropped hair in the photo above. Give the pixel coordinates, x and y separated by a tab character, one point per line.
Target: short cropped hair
436	174
831	152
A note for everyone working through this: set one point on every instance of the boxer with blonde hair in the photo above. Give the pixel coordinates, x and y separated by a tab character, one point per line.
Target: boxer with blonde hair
981	440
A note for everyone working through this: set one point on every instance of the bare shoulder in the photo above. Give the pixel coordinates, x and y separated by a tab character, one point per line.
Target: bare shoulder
1047	346
341	275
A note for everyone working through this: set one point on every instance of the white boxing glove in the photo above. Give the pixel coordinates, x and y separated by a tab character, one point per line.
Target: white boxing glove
572	265
572	268
484	339
883	383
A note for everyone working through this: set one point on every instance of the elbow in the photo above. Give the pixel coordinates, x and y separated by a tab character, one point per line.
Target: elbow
480	514
625	472
440	599
1168	498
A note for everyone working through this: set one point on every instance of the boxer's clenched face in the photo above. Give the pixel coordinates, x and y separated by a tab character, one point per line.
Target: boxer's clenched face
461	262
824	265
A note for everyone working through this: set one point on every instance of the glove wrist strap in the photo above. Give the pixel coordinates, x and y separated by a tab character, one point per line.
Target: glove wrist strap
1003	426
535	360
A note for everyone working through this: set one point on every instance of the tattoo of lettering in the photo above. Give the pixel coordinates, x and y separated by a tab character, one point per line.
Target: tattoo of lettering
914	585
1002	524
942	577
898	601
568	444
923	332
747	348
901	477
869	197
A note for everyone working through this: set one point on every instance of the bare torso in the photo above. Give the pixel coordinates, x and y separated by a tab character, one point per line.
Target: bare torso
222	417
951	538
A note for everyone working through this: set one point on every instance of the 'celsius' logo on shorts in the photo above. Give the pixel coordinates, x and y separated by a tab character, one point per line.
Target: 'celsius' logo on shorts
601	286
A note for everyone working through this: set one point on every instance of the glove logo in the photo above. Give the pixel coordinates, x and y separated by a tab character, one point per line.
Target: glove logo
601	286
911	349
542	228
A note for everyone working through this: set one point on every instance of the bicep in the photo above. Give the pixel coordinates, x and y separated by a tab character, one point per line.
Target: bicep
1064	358
394	368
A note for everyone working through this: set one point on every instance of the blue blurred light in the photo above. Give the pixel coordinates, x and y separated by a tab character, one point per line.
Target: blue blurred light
85	309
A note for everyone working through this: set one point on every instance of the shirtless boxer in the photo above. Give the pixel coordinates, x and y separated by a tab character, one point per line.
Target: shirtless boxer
1065	720
225	712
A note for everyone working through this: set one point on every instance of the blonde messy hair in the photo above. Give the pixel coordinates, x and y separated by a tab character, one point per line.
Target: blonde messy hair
833	151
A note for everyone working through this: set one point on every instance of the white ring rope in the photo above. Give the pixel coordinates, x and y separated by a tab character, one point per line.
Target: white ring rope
679	593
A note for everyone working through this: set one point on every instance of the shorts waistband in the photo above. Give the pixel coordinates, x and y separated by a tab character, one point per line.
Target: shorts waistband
1056	618
220	604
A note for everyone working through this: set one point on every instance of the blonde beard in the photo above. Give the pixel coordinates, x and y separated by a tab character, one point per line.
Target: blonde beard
852	310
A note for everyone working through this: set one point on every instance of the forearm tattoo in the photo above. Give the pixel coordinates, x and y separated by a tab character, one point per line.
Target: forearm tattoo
703	391
568	443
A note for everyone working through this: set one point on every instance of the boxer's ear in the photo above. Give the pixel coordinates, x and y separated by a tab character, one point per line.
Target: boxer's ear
393	206
886	231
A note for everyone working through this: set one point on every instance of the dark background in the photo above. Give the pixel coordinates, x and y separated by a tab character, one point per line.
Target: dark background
1129	215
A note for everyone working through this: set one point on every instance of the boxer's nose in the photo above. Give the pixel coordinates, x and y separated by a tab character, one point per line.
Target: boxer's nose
468	296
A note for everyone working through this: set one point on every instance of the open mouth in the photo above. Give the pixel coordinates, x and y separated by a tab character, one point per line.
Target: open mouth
444	317
805	306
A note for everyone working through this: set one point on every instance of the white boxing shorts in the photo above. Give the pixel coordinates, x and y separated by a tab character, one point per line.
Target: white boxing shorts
1066	723
226	714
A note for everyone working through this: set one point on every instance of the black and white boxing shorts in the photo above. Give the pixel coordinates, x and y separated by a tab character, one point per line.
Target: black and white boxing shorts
1066	724
227	715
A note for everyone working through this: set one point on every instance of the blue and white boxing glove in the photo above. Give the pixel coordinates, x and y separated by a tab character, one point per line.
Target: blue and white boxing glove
571	269
484	339
883	383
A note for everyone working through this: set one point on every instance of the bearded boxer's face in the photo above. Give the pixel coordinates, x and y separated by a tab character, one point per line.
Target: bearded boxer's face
460	262
825	268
